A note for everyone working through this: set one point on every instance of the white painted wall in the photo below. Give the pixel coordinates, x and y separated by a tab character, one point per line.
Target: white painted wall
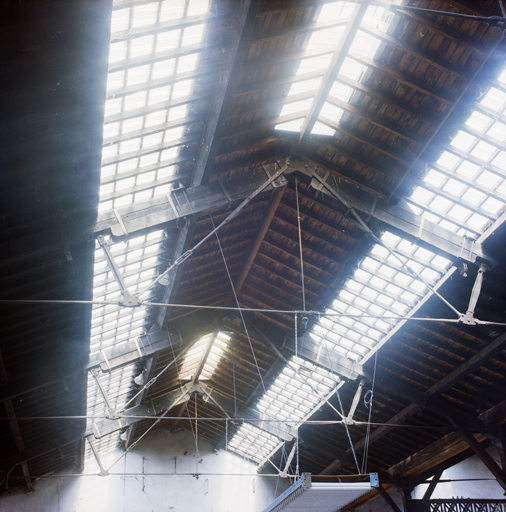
471	470
163	452
476	482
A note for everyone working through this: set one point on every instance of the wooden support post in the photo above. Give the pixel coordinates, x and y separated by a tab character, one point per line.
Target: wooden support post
492	466
384	494
432	485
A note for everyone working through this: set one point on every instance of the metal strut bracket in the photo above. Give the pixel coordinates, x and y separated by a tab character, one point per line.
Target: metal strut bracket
127	299
468	317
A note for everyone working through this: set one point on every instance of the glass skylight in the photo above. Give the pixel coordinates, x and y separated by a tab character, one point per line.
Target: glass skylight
464	192
253	443
380	287
214	344
299	390
312	68
153	57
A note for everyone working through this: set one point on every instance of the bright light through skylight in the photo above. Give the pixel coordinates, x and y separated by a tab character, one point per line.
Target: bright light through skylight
253	443
312	68
299	390
464	192
149	88
212	344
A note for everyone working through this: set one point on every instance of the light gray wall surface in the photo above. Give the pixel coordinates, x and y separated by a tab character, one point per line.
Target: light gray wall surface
476	481
221	486
471	479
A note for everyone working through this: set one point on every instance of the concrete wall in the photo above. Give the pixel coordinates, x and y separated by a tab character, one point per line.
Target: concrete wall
159	452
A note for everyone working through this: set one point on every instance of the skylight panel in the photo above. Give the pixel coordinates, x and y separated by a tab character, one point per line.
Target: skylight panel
463	141
380	287
484	151
212	344
300	382
448	160
331	112
478	121
145	119
494	99
363	44
320	128
458	195
352	69
253	443
500	160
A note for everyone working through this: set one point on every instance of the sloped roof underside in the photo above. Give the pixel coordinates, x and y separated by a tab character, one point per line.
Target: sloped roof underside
383	115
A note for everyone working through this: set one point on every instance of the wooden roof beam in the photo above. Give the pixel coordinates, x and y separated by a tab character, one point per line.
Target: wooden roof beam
180	203
269	215
383	171
435	27
13	423
403	219
375	120
297	29
406	47
235	52
376	94
340	174
331	73
437	389
488	461
401	78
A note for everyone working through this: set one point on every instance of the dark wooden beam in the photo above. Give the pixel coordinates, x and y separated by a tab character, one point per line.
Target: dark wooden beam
402	78
13	423
388	500
271	211
434	403
442	30
408	48
341	174
491	465
296	29
432	485
440	387
235	52
375	120
367	165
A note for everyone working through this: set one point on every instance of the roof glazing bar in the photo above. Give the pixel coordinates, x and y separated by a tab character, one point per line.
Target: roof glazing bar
332	71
